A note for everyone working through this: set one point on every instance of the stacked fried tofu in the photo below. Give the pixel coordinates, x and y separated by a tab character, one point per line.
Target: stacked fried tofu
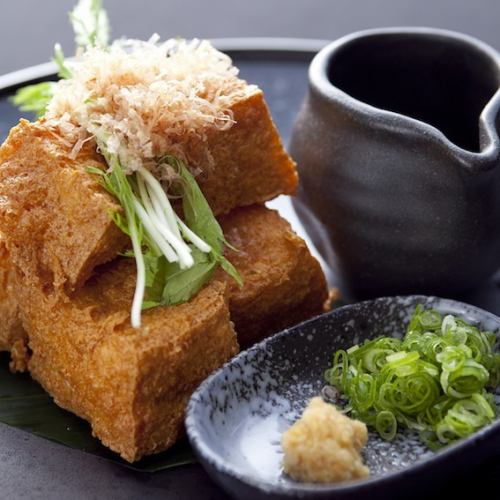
67	289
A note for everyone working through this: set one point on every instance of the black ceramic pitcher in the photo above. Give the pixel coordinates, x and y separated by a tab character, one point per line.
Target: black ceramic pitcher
399	160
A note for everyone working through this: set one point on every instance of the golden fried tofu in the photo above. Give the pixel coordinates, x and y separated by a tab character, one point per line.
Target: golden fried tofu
12	333
283	283
131	385
56	216
249	164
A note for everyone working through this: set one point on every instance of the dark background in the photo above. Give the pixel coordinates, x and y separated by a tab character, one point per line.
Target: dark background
34	468
29	28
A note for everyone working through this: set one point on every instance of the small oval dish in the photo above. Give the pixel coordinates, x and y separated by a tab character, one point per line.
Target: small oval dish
237	416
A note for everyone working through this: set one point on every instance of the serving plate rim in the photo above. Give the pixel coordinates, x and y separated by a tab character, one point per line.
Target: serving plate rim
206	454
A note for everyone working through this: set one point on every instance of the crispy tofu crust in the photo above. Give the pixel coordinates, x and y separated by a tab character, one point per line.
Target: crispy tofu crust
131	385
57	215
249	163
11	329
283	283
54	212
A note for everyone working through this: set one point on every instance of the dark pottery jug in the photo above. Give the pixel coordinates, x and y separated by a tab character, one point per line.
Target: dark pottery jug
399	161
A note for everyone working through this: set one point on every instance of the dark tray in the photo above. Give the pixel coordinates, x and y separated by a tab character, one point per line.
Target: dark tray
279	67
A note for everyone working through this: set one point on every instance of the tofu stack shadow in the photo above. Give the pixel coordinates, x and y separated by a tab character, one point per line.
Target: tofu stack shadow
66	290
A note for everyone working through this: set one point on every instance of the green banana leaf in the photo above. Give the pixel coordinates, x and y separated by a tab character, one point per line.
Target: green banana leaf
25	405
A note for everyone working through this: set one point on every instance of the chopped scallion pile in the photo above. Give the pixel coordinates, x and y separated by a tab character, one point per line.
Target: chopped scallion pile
435	380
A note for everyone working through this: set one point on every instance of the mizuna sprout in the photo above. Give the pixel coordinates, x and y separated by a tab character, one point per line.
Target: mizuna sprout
157	233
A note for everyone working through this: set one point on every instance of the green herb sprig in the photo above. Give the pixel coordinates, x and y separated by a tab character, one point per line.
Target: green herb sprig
90	24
435	380
174	257
34	98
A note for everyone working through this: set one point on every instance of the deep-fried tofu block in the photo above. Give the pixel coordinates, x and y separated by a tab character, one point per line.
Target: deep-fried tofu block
283	283
131	385
12	335
56	214
249	163
53	211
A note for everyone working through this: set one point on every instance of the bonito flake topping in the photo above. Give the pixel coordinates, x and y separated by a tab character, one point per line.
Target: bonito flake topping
144	99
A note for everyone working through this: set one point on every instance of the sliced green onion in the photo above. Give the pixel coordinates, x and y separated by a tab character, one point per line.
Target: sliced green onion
386	425
430	319
432	381
363	391
471	378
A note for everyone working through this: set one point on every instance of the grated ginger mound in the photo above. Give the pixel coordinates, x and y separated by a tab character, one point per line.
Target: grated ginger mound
143	99
324	446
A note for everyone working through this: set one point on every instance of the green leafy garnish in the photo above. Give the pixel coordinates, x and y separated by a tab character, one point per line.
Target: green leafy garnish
172	269
91	27
435	380
200	218
167	284
34	98
62	69
172	285
90	24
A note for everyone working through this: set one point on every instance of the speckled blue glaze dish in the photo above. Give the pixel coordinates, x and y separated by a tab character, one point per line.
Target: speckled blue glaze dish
236	417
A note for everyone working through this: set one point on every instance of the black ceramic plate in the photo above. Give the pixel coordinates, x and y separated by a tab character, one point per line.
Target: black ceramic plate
236	418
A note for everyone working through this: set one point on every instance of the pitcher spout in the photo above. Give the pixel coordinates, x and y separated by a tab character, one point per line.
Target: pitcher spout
438	83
